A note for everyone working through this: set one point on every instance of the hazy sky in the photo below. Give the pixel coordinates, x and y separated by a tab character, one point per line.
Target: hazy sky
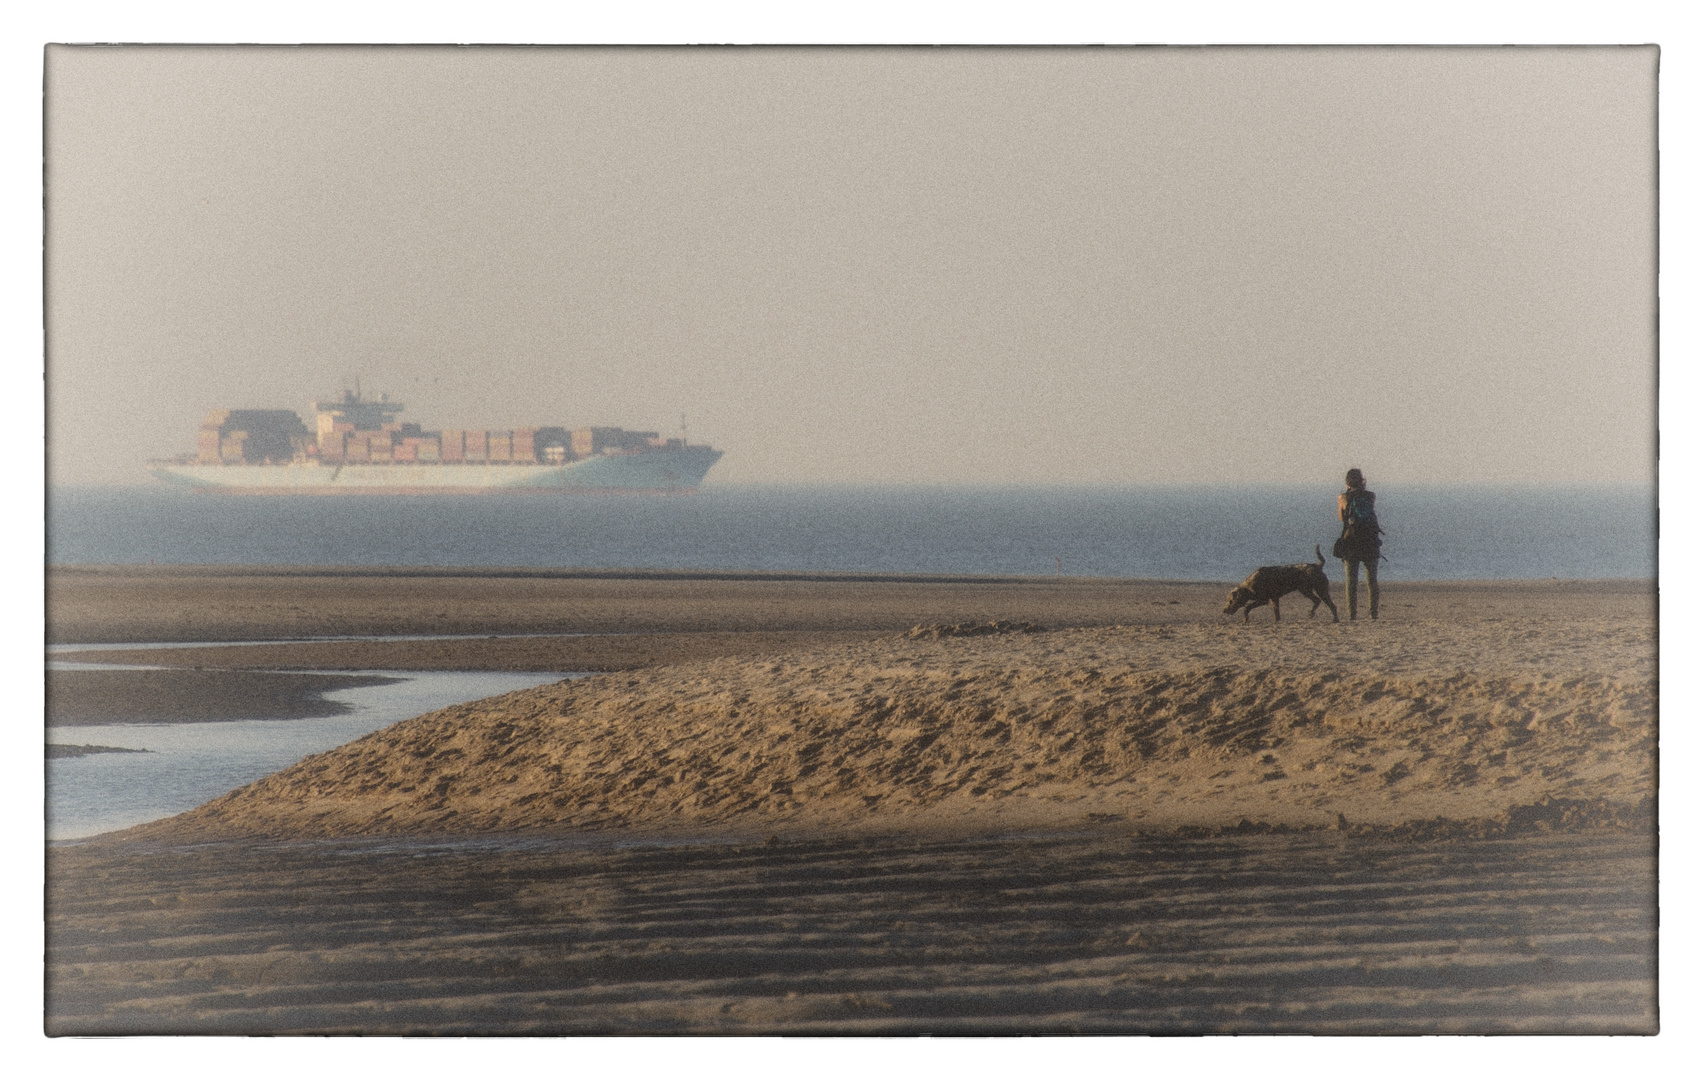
876	265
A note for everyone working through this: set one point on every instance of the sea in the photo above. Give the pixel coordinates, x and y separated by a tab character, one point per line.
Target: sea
1176	533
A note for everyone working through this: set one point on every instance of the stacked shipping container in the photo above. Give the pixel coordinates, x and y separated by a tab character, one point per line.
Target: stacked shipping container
358	431
253	437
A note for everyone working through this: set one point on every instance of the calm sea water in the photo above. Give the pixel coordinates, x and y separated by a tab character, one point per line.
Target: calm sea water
1176	533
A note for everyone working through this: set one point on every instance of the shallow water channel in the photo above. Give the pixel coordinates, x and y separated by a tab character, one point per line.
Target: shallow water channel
187	764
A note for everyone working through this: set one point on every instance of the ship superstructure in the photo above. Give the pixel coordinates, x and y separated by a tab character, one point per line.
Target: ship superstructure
358	445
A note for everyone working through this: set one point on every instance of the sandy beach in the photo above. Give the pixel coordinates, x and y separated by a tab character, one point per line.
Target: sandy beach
757	718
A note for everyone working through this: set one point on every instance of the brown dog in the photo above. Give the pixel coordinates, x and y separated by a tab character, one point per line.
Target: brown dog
1269	583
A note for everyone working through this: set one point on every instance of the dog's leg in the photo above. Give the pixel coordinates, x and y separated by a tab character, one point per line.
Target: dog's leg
1276	609
1314	597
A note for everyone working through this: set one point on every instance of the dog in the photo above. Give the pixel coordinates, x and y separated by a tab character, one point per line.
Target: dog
1270	583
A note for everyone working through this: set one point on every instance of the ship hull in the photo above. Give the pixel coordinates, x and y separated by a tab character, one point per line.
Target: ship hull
673	471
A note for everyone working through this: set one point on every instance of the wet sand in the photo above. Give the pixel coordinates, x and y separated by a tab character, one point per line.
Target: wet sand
584	652
1086	932
144	604
183	696
72	750
1145	818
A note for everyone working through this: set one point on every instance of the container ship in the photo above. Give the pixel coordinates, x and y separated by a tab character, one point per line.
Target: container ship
359	447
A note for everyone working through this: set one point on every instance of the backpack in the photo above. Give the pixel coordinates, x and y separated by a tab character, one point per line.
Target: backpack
1360	529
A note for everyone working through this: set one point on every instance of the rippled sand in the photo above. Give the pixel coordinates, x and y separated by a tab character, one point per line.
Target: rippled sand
1196	724
1093	931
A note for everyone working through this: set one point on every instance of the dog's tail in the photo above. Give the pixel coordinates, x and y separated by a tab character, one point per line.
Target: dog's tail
1321	556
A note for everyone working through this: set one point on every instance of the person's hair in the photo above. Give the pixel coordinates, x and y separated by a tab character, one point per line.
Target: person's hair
1354	478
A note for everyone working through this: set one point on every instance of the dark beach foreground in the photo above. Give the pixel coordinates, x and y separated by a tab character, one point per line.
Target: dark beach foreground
781	813
1088	932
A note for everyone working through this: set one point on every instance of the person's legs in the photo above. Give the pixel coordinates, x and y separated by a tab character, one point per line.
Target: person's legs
1351	581
1372	585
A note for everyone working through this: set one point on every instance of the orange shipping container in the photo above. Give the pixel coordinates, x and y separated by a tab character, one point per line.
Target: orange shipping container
499	446
450	446
525	444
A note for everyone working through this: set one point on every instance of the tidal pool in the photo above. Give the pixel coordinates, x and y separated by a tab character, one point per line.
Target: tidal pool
189	763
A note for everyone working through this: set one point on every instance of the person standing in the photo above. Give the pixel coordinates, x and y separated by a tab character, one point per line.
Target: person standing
1356	508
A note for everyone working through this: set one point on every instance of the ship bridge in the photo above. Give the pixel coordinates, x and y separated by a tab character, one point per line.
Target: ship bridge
354	409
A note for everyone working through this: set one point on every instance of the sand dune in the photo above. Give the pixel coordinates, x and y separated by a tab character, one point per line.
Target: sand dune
1162	726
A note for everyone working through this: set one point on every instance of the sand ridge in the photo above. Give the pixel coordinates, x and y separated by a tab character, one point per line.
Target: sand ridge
1167	725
